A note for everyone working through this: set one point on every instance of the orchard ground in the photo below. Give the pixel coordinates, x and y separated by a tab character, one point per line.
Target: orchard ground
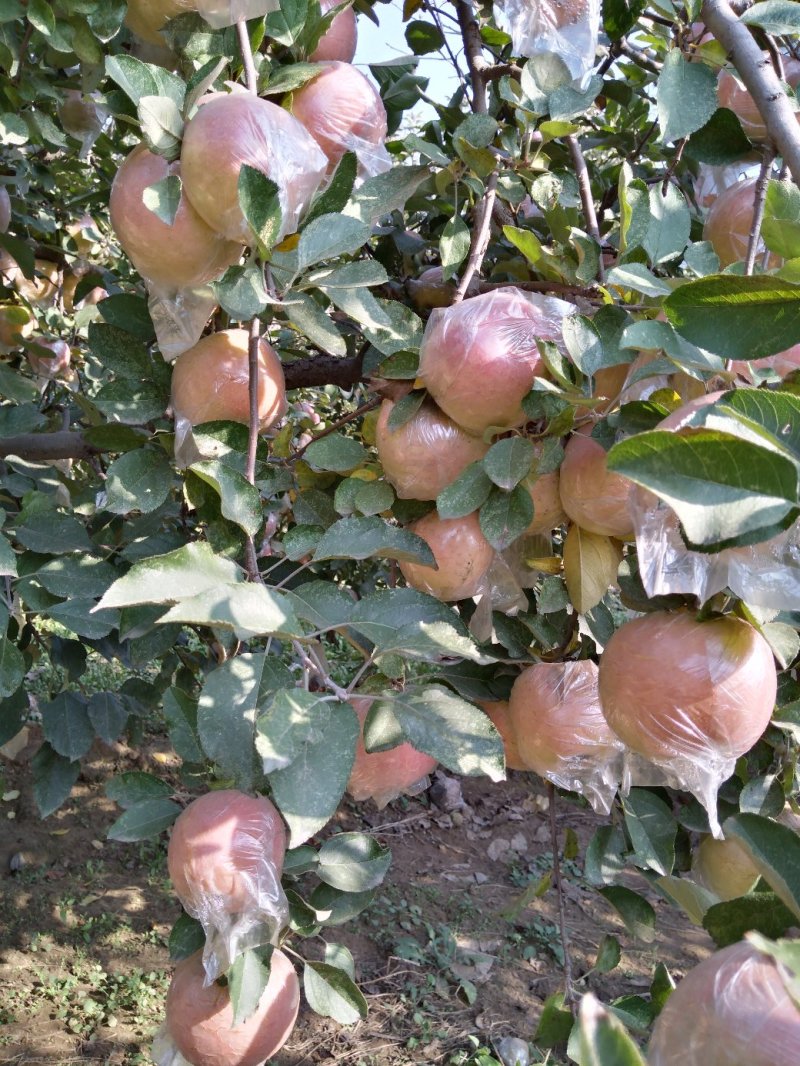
84	965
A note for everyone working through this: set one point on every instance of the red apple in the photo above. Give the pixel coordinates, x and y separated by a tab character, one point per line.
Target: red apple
384	775
594	497
462	555
729	222
339	41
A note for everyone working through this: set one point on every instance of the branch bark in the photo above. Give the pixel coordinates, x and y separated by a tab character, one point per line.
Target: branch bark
758	75
473	50
587	201
39	447
480	238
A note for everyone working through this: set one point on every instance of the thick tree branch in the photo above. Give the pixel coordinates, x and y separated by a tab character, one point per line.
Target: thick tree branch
39	447
756	71
473	50
324	370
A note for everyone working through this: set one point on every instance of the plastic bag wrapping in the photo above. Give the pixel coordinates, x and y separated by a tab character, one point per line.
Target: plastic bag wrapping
729	222
179	317
780	365
561	733
687	698
220	13
497	712
340	39
731	1009
230	129
343	112
211	381
425	454
200	1027
225	860
479	358
711	181
764	575
500	589
382	776
594	497
567	29
733	95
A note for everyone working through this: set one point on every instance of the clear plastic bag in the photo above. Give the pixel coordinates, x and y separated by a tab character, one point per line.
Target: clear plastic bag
230	129
561	733
382	776
461	551
563	29
225	861
220	13
426	453
479	358
728	225
734	1009
687	698
175	260
343	112
594	497
211	381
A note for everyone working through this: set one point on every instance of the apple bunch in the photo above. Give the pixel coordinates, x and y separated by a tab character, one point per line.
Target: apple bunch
225	860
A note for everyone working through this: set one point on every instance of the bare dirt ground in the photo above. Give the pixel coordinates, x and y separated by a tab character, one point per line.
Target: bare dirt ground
449	955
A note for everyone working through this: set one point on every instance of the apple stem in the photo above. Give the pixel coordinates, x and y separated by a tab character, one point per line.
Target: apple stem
569	991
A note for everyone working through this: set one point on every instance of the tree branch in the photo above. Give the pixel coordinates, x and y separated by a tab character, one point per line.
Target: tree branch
587	201
756	71
480	238
473	50
324	370
759	200
39	447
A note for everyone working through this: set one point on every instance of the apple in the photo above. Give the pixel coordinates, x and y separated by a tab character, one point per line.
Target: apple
479	358
724	867
230	129
733	95
146	17
729	221
782	364
672	686
339	41
48	366
555	715
462	555
175	257
594	497
498	712
384	775
200	1017
211	381
734	1009
226	853
426	453
16	323
342	111
547	509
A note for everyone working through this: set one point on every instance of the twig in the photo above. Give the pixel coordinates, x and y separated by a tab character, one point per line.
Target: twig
473	50
569	992
759	201
759	77
638	57
480	238
587	202
315	668
250	76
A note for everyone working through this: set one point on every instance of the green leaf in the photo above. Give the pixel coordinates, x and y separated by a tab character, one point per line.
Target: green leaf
310	789
637	914
608	955
726	923
284	726
108	715
12	667
384	193
140	480
526	241
241	292
42	17
775	851
720	142
329	236
509	461
259	200
353	862
555	1022
669	223
335	452
162	125
53	778
180	713
373	497
505	516
360	274
694	900
774	16
332	993
652	829
51	532
780	227
737	317
80	615
436	721
466	494
186	572
240	502
66	725
339	907
144	820
286	24
230	701
637	277
186	938
76	575
686	96
164	198
620	16
247	979
366	538
136	79
423	37
603	1038
454	246
336	192
134	786
724	490
286	79
308	318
